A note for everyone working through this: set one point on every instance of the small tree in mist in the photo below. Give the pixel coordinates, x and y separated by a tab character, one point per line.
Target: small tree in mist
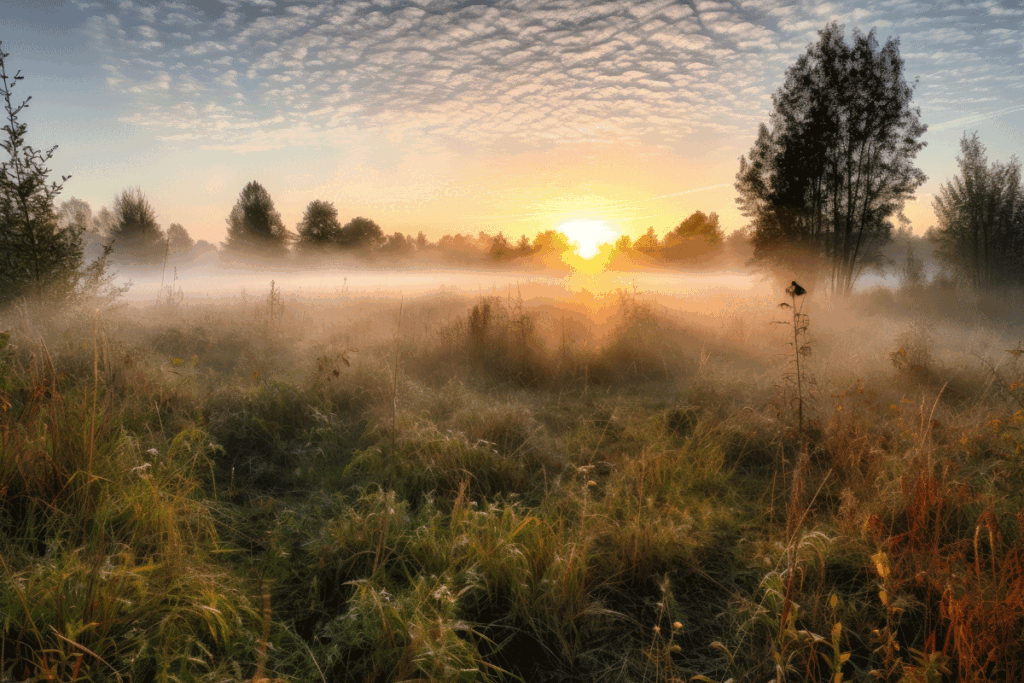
398	244
75	214
135	232
255	227
102	221
319	228
178	239
37	255
361	233
821	184
981	218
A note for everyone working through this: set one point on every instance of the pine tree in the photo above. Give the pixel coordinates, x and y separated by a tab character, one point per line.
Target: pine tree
37	257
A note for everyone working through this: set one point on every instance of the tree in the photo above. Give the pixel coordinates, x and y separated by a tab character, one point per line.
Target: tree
499	248
361	233
981	218
37	256
178	239
135	232
319	228
696	236
647	242
702	226
102	222
837	162
76	214
398	244
255	227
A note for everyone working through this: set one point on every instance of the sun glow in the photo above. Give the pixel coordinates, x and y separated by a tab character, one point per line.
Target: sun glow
588	235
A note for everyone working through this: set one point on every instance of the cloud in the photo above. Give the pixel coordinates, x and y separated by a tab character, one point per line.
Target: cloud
527	70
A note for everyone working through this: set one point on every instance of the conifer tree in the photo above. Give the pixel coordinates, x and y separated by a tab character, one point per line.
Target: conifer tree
37	257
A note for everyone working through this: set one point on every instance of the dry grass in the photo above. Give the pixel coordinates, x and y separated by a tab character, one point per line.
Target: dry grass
277	492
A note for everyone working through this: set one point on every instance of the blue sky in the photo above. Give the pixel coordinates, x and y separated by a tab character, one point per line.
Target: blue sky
438	115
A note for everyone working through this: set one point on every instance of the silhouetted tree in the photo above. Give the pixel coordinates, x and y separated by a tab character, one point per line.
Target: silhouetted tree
398	244
178	239
523	246
981	218
697	236
647	242
837	162
500	248
37	256
458	247
135	233
361	233
551	242
421	241
255	227
319	228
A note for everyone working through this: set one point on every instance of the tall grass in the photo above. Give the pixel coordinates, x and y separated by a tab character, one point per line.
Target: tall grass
225	494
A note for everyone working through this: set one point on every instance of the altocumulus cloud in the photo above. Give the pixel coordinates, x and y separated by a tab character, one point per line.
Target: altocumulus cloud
259	74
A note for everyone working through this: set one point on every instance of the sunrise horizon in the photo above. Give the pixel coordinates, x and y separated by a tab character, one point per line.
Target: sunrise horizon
499	118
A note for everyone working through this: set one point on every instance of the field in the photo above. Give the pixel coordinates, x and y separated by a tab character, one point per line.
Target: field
510	486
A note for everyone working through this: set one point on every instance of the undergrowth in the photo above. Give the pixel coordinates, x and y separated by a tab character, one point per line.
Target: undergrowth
243	494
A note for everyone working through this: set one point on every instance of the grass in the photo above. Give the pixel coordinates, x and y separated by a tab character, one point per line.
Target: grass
468	492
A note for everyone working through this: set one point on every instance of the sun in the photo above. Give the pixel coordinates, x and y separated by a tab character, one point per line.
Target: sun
588	235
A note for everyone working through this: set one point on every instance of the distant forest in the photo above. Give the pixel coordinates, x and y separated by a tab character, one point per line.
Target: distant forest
823	187
255	230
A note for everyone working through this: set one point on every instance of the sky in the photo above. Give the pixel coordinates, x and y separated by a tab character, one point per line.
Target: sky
461	115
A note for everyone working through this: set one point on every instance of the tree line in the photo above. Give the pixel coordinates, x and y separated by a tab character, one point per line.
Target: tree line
255	229
823	185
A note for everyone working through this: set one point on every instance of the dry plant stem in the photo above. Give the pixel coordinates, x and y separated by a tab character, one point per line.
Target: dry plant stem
163	272
95	389
394	385
799	383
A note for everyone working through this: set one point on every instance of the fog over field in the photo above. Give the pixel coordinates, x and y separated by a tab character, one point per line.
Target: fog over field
554	341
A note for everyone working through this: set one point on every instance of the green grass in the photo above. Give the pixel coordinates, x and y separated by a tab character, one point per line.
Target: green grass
194	494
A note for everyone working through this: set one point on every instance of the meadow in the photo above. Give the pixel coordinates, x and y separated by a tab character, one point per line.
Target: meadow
514	486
